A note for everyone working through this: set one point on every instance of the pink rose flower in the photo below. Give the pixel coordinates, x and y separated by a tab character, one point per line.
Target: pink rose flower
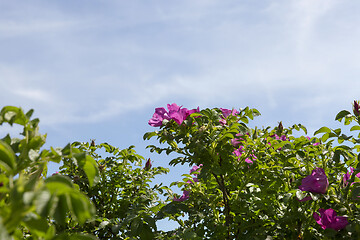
317	182
329	219
176	113
185	196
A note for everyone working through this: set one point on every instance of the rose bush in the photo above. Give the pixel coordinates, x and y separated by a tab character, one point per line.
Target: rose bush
244	183
239	198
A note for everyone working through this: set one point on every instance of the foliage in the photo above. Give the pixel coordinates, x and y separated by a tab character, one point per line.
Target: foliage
125	201
30	202
245	183
249	181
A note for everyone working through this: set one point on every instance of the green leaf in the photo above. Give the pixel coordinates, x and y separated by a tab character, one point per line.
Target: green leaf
136	226
13	114
61	210
37	142
279	145
323	130
337	131
76	236
90	167
146	233
342	114
50	232
81	207
36	225
43	202
7	157
59	184
149	135
355	192
325	137
354	128
29	113
189	234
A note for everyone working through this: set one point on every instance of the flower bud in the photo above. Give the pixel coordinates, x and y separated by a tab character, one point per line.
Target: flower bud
148	164
356	108
280	127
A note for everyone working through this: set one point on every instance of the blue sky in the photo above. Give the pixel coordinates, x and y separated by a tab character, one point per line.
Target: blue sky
97	69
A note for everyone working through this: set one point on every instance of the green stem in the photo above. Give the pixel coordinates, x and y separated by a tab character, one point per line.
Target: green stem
221	184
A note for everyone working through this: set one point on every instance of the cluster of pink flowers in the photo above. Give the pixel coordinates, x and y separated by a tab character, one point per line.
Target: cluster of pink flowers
282	137
347	176
186	194
238	152
175	112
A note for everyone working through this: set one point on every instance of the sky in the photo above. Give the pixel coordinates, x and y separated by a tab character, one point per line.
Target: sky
98	69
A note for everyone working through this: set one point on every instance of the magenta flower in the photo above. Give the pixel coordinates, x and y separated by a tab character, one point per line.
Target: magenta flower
148	164
226	113
314	144
194	180
185	196
317	182
175	112
238	152
307	198
282	138
158	117
329	219
347	176
236	141
195	169
179	114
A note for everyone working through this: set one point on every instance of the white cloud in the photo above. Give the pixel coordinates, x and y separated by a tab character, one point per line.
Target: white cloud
33	94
